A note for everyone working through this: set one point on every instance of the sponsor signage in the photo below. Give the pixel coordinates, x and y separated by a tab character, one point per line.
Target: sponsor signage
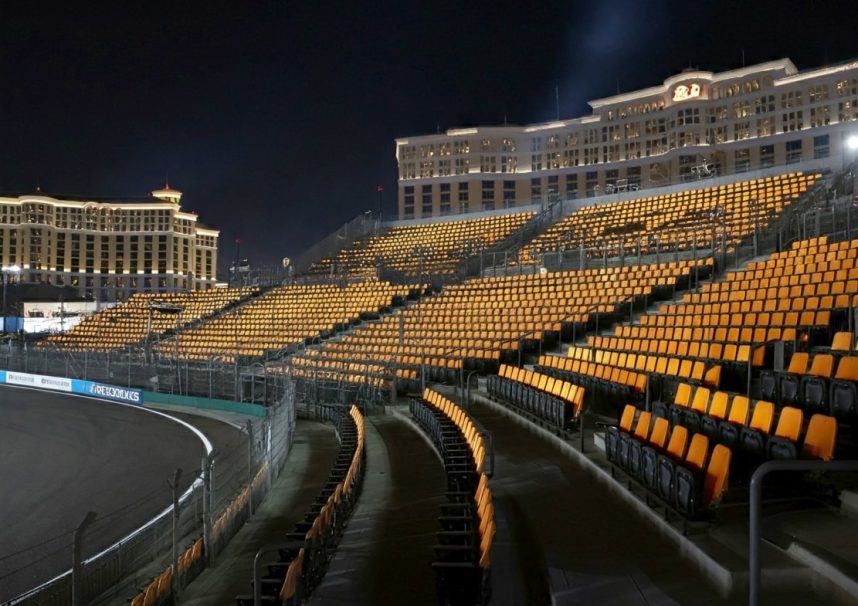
86	388
111	392
40	381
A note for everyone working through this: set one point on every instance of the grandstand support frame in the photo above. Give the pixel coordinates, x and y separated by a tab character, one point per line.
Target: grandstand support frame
756	497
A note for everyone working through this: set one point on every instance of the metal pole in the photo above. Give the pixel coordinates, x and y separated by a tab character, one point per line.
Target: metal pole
77	558
175	547
207	510
249	468
756	491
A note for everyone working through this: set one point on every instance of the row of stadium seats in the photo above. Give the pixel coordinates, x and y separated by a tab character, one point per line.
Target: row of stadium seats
159	589
128	322
684	474
308	549
425	249
284	316
732	420
824	384
463	553
553	400
674	221
475	324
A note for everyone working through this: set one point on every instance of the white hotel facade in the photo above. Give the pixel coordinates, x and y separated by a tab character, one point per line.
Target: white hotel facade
107	249
694	124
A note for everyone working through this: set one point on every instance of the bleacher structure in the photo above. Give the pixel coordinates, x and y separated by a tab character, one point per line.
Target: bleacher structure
674	221
689	375
145	315
434	249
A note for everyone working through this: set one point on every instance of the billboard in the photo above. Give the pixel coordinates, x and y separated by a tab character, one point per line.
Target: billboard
102	391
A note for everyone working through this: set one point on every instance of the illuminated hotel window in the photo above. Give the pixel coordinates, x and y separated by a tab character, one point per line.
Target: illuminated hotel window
846	110
536	162
716	134
444	149
656	126
742	109
818	93
508	145
461	146
570	157
508	164
716	114
632	130
571	139
554	160
486	146
553	142
591	155
426	168
427	151
845	88
765	127
462	166
633	150
611	153
742	130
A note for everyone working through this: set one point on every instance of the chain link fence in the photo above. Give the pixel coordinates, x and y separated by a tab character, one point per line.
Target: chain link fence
229	484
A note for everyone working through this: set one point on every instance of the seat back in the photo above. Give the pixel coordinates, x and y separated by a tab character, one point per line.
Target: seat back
701	400
821	437
764	415
683	395
740	410
695	458
822	365
678	442
798	363
658	436
627	418
842	341
642	427
789	423
847	369
717	475
718	406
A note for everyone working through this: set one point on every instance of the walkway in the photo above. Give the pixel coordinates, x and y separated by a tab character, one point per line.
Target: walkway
303	476
385	555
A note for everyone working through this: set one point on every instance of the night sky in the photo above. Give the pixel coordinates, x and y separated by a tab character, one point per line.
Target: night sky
277	119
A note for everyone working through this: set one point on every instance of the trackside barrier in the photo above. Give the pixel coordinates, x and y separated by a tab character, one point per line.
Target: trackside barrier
230	484
92	389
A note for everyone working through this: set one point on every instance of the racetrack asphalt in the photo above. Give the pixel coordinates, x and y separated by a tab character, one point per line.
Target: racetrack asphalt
63	455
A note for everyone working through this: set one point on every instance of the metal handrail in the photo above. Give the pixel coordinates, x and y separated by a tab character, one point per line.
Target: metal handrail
756	491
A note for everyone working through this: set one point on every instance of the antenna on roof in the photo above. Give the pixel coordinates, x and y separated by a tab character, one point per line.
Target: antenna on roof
504	116
743	57
557	99
438	128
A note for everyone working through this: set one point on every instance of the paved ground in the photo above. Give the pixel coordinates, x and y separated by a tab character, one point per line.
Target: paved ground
58	456
306	469
386	553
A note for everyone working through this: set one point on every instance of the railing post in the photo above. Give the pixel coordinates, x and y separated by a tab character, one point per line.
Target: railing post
77	559
208	545
249	426
175	535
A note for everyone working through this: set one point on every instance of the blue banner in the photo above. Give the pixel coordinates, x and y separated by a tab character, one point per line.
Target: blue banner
128	395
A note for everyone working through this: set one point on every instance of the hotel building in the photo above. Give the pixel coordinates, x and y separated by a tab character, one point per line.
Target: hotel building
107	249
693	125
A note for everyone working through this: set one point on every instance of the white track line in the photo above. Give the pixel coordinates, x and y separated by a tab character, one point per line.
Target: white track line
206	444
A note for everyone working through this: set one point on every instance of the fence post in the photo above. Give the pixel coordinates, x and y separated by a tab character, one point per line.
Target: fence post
249	468
207	510
77	558
175	547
